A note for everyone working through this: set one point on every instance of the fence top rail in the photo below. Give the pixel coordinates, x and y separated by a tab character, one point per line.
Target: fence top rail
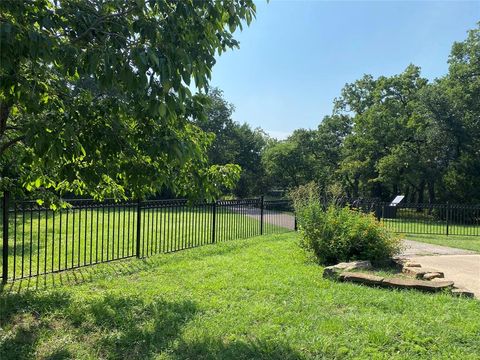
411	205
255	201
433	206
279	201
185	202
29	205
166	203
33	205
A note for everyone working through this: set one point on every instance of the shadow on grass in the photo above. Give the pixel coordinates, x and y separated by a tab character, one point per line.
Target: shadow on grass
238	350
55	325
20	323
110	326
124	267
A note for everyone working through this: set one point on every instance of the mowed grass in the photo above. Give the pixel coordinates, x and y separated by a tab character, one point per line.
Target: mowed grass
260	298
455	241
461	236
45	241
419	226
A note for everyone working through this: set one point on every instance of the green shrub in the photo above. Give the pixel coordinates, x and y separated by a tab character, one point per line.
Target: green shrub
335	234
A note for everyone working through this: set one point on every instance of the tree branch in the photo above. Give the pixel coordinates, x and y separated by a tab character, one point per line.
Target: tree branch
99	21
10	143
4	112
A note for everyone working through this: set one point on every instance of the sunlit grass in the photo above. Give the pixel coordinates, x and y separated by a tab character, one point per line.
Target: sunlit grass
46	241
422	226
260	298
456	241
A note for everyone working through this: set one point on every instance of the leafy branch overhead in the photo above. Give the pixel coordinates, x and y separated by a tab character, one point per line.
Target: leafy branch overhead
95	96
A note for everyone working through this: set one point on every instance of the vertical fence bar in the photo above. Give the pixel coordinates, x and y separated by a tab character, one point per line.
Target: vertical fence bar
38	241
261	214
73	237
23	239
6	196
46	242
139	223
14	241
182	228
113	230
53	241
382	215
66	241
214	215
447	217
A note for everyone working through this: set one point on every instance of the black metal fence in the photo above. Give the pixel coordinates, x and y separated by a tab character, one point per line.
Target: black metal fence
433	219
37	240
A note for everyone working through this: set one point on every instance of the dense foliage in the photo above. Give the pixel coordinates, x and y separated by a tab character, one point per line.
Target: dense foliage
95	98
336	234
395	135
95	95
235	143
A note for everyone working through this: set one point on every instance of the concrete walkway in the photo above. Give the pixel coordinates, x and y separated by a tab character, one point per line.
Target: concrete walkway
415	248
463	270
272	217
459	266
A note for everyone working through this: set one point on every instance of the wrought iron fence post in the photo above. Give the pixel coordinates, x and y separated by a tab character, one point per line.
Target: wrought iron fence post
214	215
139	223
6	196
378	211
261	214
447	216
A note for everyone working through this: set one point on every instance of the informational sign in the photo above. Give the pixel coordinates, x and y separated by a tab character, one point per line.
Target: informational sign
397	200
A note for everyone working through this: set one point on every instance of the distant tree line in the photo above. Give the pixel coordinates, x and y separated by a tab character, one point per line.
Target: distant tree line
96	101
400	134
235	143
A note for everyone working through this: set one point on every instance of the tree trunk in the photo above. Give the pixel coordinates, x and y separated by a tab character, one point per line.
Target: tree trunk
4	112
355	188
431	194
431	191
407	194
421	191
377	191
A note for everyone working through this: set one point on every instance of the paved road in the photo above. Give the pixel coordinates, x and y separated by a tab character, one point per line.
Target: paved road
272	217
459	266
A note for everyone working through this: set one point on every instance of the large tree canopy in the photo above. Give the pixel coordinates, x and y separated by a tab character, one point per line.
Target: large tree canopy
235	143
394	135
95	94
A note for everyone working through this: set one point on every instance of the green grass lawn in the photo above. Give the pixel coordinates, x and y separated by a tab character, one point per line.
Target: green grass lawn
92	235
461	236
419	226
259	298
456	241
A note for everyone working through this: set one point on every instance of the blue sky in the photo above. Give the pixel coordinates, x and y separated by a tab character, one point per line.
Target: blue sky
297	55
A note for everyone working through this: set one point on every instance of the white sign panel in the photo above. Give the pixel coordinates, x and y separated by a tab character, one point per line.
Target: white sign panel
397	200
